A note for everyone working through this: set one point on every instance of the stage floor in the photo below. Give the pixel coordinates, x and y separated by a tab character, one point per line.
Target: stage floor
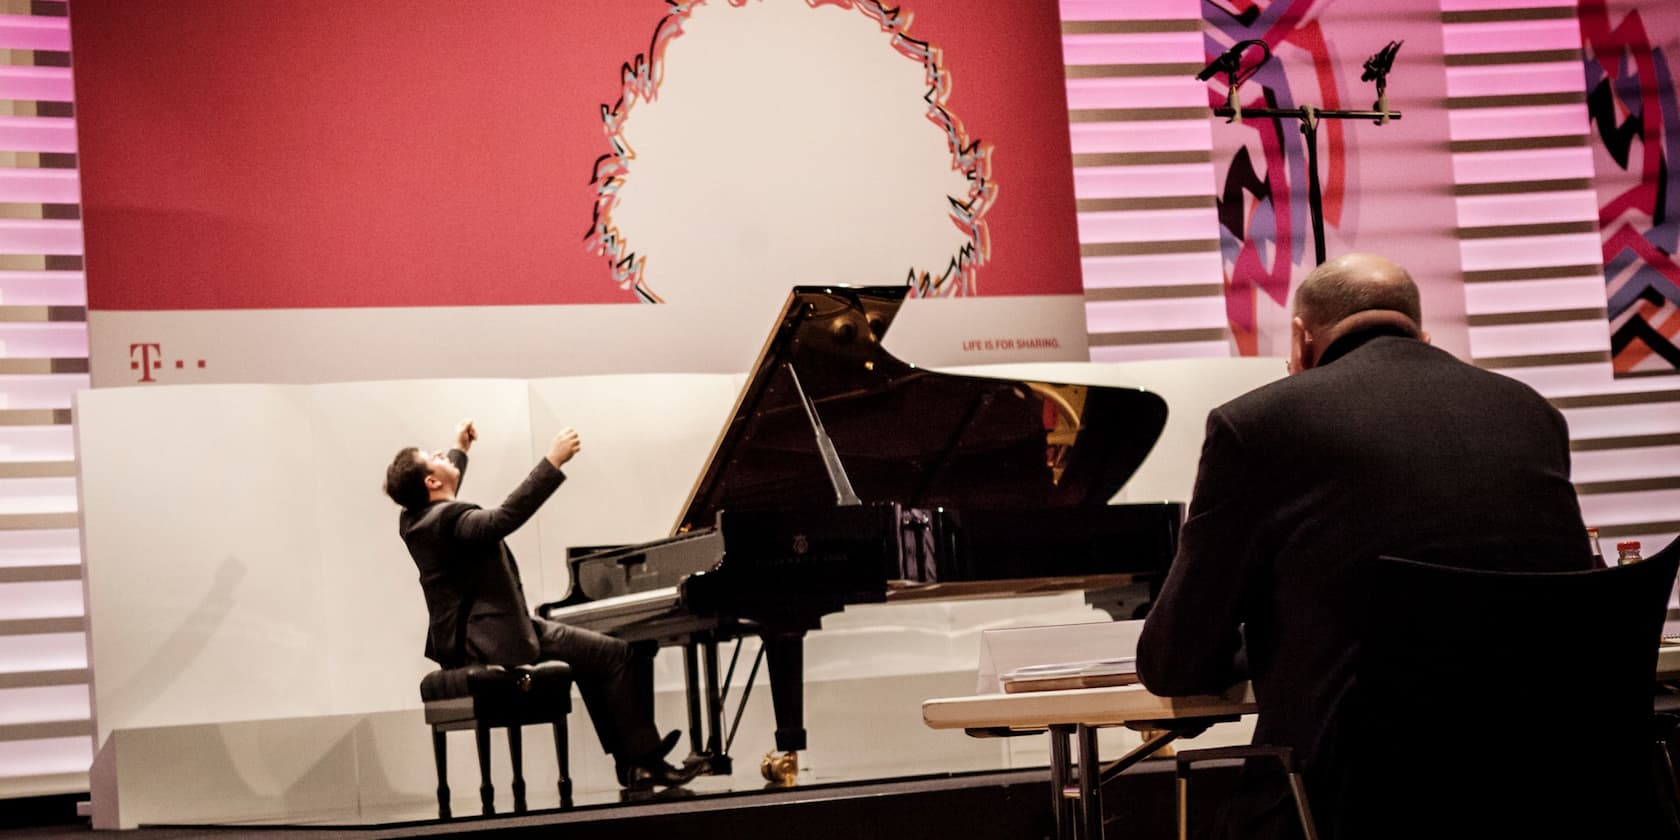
706	794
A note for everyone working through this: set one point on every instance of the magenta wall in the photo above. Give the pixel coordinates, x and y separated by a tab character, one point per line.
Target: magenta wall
316	153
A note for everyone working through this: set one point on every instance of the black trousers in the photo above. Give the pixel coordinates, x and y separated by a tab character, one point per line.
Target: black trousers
616	684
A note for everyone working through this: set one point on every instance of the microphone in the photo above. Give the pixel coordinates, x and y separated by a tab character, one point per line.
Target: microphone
1229	62
1378	66
1226	63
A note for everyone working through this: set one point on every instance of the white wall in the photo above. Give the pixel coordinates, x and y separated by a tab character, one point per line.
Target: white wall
239	549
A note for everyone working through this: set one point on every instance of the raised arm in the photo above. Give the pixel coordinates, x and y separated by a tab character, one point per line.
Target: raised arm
520	505
465	434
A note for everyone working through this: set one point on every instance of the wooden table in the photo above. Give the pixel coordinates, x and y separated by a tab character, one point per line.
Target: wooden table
1079	713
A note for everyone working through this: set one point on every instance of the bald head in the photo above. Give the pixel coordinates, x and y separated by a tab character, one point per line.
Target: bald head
1352	284
1348	294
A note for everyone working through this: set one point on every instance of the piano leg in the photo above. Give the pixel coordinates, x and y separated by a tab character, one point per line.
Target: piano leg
691	680
705	710
785	657
714	701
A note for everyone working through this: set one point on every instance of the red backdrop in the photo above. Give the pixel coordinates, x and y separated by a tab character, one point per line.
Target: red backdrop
319	153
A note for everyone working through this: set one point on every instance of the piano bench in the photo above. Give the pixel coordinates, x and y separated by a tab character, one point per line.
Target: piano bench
483	697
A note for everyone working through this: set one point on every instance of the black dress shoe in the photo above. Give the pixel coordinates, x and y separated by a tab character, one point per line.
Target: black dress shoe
629	777
656	773
651	795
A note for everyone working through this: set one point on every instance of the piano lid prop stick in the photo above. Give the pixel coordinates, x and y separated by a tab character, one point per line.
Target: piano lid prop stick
843	494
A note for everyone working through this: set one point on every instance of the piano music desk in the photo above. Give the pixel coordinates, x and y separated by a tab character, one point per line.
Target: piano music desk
1082	712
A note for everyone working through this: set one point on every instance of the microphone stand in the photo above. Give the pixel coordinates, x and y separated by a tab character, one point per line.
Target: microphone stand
1376	68
1230	63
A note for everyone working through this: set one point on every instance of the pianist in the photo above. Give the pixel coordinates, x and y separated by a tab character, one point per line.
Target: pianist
1376	444
477	605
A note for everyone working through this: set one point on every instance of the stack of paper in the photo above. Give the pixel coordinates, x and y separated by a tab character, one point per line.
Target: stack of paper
1089	674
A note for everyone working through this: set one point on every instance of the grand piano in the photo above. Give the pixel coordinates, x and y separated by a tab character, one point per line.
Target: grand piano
847	476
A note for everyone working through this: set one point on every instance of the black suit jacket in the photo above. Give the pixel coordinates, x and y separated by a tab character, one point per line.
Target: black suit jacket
473	593
1390	446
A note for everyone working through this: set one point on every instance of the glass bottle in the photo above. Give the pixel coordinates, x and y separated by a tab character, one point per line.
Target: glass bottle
1627	552
1597	549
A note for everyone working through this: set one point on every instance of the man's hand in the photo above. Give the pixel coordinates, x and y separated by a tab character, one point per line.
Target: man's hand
563	447
465	434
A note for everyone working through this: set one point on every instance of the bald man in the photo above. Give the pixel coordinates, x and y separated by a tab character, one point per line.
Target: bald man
1377	443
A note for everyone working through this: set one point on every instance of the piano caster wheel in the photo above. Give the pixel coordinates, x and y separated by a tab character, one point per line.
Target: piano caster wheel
780	769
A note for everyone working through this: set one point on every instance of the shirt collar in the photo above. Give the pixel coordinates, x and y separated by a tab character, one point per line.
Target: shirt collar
1359	338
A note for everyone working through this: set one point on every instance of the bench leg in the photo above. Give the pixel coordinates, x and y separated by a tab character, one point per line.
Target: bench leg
486	791
440	747
516	754
563	756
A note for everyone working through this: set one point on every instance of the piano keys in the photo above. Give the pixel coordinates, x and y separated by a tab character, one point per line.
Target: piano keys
846	476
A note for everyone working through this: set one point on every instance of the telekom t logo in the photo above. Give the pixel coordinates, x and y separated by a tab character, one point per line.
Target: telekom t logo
147	357
151	358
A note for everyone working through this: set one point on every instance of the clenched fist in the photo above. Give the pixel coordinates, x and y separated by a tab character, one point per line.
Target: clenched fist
563	447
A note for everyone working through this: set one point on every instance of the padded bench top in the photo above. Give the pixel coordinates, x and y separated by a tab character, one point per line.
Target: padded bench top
485	680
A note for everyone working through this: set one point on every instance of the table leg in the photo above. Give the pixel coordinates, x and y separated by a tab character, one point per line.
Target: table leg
1090	790
1060	764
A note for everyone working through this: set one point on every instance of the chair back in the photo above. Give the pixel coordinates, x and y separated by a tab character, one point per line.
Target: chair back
1501	703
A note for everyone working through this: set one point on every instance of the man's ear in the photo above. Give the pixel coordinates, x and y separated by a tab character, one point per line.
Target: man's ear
1300	346
433	483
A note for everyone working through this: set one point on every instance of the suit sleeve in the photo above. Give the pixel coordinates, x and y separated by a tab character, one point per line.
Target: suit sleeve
520	505
1192	634
1560	437
459	459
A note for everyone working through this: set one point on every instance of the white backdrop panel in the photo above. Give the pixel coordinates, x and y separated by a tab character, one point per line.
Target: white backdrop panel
374	615
203	546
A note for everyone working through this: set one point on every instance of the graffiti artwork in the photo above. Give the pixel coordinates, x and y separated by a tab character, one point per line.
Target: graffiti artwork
1631	101
1262	200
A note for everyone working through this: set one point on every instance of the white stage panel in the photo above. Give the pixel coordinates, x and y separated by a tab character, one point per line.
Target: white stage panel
203	554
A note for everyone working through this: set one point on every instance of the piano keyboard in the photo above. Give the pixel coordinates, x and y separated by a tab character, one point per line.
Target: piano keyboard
635	605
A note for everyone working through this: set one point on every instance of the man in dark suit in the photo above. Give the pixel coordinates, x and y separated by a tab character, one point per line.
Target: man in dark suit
477	604
1376	444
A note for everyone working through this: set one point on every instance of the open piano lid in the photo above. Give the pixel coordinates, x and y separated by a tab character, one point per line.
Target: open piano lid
907	435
